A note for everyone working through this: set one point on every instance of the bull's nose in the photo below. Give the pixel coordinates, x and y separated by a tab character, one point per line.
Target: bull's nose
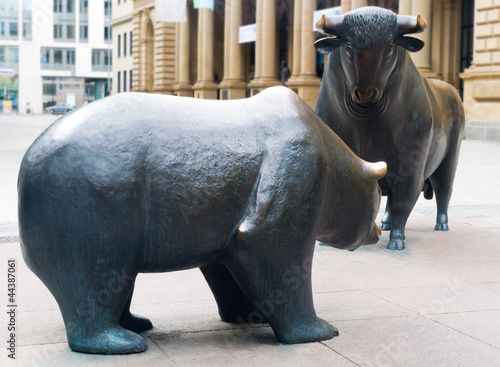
365	95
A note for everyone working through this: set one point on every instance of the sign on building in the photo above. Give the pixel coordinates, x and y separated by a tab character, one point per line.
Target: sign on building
329	11
247	33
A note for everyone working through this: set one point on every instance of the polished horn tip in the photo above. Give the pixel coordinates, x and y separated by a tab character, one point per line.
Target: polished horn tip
421	23
378	169
321	22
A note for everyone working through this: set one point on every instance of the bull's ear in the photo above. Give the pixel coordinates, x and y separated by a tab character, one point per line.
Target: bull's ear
410	43
327	44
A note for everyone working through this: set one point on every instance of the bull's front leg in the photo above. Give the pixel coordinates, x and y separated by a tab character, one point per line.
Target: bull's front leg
400	202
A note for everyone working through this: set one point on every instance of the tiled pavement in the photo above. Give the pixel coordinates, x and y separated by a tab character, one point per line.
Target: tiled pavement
437	303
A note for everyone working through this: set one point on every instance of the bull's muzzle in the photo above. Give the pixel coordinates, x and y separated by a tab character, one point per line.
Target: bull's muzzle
365	95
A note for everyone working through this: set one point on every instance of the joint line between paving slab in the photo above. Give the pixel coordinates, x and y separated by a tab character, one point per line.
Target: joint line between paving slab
162	351
463	333
343	356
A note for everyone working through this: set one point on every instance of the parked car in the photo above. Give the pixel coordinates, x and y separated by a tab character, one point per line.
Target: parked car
60	108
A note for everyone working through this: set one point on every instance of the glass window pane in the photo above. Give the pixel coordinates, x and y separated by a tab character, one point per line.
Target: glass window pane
57	57
70	32
13	29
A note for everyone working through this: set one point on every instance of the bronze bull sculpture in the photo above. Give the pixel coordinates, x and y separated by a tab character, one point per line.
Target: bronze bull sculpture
383	108
149	183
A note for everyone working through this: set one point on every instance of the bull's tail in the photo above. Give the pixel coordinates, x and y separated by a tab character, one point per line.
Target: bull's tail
427	189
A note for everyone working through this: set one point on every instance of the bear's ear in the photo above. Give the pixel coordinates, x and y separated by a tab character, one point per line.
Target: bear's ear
410	43
327	44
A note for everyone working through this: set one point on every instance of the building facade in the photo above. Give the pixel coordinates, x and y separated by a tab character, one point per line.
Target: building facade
203	58
121	24
54	51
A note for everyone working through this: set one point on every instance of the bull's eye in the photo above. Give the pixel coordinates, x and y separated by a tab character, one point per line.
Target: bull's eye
390	51
348	49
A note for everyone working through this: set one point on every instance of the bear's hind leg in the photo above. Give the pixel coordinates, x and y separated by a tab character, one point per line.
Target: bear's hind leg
92	314
232	303
132	322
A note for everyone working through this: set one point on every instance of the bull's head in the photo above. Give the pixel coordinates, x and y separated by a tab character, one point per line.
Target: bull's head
368	39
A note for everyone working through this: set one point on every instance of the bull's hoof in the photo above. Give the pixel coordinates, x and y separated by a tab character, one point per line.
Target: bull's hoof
441	222
385	226
114	340
318	331
396	244
441	227
135	323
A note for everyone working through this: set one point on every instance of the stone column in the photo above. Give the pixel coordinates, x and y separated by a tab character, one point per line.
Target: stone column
358	4
422	59
307	83
345	6
482	78
232	86
297	39
265	47
405	7
205	86
183	85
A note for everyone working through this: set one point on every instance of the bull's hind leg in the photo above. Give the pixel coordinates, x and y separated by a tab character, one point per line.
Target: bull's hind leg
133	322
278	282
232	303
385	224
442	184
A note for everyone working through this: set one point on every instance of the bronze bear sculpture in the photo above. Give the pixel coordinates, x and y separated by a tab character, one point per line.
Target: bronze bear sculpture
241	189
378	102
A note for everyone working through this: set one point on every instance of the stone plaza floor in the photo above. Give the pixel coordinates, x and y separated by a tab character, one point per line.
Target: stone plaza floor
436	303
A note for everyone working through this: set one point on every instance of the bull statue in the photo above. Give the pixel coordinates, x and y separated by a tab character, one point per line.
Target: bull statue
242	189
383	108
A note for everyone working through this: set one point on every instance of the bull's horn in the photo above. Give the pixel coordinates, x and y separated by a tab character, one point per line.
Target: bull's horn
331	25
377	170
411	24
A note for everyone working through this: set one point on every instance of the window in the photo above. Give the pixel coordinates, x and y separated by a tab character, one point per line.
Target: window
13	29
107	33
58	31
2	54
2	29
96	58
107	58
84	33
119	46
118	82
70	6
49	88
58	6
130	42
107	7
130	80
101	60
124	81
70	32
58	57
45	57
70	57
84	6
124	45
27	30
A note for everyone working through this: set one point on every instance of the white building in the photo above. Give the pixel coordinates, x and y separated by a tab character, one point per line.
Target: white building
54	51
122	26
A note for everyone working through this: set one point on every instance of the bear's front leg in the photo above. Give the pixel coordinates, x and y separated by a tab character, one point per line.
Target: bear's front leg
278	283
